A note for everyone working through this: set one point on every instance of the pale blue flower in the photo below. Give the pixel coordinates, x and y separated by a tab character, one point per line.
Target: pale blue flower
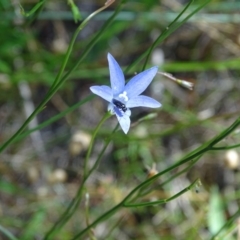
121	97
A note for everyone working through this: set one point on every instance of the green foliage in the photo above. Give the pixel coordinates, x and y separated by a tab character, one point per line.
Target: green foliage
143	185
216	215
75	11
34	225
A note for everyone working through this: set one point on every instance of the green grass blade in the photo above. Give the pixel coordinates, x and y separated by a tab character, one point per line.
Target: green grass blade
34	9
55	118
71	209
168	30
197	152
34	226
227	225
7	234
163	201
59	83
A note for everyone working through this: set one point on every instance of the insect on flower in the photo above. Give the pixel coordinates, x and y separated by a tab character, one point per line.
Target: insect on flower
119	105
122	97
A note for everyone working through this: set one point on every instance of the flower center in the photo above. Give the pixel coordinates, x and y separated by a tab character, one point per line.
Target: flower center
124	96
121	106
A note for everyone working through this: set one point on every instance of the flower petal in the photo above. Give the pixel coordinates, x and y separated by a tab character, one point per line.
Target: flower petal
116	76
104	92
140	82
118	112
124	122
111	108
143	101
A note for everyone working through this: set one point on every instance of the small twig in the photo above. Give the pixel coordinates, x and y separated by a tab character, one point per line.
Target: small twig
184	83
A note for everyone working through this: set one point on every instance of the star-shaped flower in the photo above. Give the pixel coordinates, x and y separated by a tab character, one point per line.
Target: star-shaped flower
121	97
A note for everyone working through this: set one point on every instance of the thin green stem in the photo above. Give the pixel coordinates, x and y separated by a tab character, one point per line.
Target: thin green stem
66	215
7	234
95	165
226	147
36	11
199	151
120	205
70	47
143	193
63	79
75	202
167	31
144	204
91	44
227	224
55	118
57	83
164	33
100	219
192	163
85	167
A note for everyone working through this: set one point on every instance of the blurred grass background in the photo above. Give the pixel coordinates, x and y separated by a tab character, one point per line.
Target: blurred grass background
40	173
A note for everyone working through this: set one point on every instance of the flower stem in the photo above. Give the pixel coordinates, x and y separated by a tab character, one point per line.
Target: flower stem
59	79
75	202
162	201
189	157
85	171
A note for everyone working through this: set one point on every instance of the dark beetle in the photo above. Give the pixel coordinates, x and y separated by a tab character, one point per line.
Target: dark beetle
119	105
